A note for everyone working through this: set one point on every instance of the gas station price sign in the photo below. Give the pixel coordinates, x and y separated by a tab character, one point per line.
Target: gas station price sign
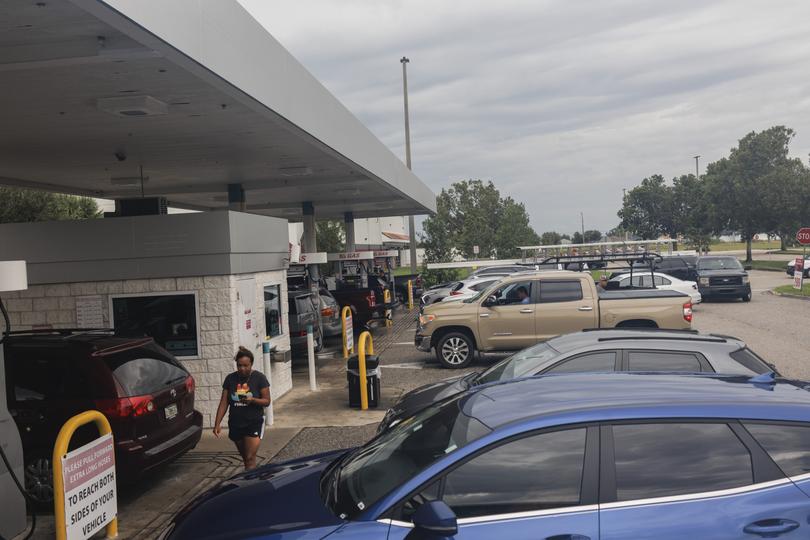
91	499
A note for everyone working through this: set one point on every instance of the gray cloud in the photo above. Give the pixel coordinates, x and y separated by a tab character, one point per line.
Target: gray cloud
561	104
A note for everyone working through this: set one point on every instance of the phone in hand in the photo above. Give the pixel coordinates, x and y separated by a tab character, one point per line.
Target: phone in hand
242	397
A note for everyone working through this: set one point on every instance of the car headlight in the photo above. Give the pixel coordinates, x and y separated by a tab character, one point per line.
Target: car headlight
426	318
746	280
704	281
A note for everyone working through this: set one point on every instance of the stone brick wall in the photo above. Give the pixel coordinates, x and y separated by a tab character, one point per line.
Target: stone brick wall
54	306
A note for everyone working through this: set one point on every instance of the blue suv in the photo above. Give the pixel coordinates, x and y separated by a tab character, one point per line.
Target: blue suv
563	457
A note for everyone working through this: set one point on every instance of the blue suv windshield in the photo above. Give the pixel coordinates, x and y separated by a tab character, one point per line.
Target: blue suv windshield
395	456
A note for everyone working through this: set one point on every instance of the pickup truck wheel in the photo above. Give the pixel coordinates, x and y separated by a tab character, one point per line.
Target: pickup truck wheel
746	297
455	350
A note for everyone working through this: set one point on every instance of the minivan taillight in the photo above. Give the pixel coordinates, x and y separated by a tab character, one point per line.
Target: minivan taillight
371	299
190	384
687	312
127	407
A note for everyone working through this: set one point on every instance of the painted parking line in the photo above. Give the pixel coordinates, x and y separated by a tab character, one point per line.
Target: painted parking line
405	365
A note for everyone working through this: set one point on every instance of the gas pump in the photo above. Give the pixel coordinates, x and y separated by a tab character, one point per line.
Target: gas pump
353	267
13	277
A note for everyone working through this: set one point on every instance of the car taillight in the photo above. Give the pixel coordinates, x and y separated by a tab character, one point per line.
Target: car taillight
327	312
687	312
455	293
302	333
372	299
126	407
190	384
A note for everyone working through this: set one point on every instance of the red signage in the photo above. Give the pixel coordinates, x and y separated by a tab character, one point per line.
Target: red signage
803	236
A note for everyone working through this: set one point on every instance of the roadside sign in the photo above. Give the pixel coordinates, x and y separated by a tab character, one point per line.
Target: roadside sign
798	273
803	236
91	501
476	249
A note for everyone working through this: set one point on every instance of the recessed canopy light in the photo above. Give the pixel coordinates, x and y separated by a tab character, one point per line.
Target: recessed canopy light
128	180
295	171
132	106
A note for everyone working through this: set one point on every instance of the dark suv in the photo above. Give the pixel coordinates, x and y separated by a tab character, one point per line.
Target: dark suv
679	266
722	277
144	392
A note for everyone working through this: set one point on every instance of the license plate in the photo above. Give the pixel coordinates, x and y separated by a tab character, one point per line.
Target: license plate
171	411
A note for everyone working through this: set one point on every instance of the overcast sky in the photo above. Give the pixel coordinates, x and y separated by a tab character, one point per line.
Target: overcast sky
560	103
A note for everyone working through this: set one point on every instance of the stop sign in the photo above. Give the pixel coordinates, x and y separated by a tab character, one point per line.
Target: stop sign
803	236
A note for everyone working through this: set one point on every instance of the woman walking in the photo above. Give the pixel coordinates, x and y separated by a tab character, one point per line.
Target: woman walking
246	392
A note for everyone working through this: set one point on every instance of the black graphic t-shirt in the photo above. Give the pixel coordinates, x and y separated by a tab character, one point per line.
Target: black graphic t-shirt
241	413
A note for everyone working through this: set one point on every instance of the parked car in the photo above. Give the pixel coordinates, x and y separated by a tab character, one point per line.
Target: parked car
645	280
680	266
791	267
618	349
401	287
145	393
723	277
330	313
580	456
523	309
366	303
436	295
303	312
472	286
501	269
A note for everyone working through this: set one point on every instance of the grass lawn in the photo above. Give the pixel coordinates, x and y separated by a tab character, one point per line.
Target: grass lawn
740	246
788	289
778	266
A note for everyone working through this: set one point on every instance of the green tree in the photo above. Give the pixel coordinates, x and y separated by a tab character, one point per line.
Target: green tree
786	200
648	209
331	236
18	205
737	185
550	238
473	213
577	238
592	236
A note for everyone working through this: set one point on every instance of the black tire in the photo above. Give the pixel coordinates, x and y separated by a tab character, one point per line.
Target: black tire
39	481
455	350
746	297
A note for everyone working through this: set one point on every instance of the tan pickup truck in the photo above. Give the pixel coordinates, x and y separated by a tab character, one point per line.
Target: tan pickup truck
527	308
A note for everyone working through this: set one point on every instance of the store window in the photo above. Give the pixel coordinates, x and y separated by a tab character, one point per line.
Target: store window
272	310
170	319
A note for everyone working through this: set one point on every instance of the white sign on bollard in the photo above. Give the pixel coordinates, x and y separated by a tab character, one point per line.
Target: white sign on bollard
349	333
91	500
798	273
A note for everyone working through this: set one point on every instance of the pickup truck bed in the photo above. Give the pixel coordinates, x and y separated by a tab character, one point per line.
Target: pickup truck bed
524	309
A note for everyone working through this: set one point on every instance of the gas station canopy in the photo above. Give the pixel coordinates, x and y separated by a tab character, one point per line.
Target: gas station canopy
180	99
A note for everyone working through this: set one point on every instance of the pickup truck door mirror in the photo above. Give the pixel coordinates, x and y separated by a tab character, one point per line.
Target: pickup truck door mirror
490	301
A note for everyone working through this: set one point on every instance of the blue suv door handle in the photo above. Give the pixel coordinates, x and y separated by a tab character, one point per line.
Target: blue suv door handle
771	528
568	537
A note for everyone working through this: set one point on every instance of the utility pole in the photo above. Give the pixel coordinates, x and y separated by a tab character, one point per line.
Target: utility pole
697	167
411	227
582	222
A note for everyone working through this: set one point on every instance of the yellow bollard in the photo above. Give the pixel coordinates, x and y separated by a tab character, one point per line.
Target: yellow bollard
410	294
347	331
59	450
388	315
361	352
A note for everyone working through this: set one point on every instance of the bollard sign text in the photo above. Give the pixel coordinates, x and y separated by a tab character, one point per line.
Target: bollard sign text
90	494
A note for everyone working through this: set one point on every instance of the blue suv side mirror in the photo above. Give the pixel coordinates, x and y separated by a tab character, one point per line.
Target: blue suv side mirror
433	520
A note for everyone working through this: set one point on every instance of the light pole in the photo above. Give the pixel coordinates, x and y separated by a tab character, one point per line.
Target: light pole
411	228
582	222
697	167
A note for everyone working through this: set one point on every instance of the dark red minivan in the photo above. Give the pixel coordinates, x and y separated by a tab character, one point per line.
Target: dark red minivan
146	394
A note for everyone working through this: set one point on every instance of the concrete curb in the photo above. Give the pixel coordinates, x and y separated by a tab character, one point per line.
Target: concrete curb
793	296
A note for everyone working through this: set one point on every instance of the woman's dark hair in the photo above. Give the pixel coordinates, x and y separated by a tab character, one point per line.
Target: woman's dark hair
243	353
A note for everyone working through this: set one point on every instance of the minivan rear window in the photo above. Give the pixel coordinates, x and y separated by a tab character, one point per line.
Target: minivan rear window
144	371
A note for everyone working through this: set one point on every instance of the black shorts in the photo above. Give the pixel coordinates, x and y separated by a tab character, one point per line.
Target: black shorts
253	429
